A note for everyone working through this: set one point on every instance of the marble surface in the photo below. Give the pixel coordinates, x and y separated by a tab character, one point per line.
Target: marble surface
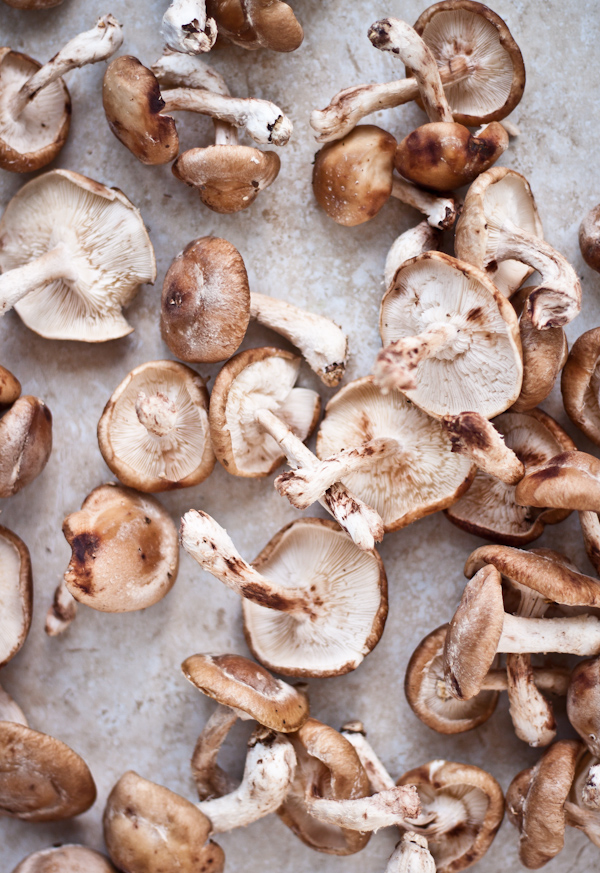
111	687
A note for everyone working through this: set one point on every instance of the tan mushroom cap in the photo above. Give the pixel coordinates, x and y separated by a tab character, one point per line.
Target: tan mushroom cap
149	829
133	106
41	778
261	378
228	178
10	387
205	307
470	804
352	177
570	480
16	594
125	550
488	509
243	685
583	703
32	140
65	859
255	24
545	353
25	443
347	592
589	238
580	384
169	447
424	478
328	767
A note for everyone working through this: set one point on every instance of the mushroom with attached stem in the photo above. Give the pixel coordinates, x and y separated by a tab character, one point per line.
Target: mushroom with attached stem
69	858
187	28
580	384
35	104
255	24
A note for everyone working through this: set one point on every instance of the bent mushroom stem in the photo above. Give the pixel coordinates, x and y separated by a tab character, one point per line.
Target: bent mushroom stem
157	413
90	47
211	780
186	27
398	806
441	212
396	364
474	436
62	612
52	265
363	524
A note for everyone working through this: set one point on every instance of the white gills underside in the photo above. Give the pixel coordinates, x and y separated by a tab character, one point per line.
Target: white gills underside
40	122
13	618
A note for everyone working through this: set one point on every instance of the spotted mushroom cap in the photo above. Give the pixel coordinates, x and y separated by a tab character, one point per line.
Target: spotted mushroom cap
16	594
65	859
580	384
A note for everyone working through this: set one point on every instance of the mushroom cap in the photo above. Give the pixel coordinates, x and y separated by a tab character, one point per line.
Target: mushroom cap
16	594
426	477
141	459
133	106
583	703
41	778
65	859
585	788
427	695
466	30
589	238
328	767
545	353
352	177
205	307
10	387
580	384
481	368
149	829
25	443
456	790
36	136
108	246
499	193
347	589
235	681
570	480
255	25
488	509
228	178
125	550
256	379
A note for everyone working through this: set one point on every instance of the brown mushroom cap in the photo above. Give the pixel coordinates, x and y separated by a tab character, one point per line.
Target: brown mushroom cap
580	384
243	685
16	594
41	778
65	859
205	307
352	177
254	24
25	443
545	353
10	387
589	238
570	480
125	550
583	703
133	106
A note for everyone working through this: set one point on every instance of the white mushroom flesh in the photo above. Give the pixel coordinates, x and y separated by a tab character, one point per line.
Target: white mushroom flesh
412	855
186	27
38	123
12	606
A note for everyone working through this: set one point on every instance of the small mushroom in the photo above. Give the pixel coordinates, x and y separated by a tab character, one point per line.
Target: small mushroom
186	27
589	238
580	384
154	433
16	594
72	254
314	604
25	443
570	480
254	24
35	107
65	859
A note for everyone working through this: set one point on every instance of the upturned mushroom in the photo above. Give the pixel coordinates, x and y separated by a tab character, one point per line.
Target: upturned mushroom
451	340
499	223
254	24
589	238
25	443
580	384
72	254
314	604
154	433
35	106
16	594
65	859
187	28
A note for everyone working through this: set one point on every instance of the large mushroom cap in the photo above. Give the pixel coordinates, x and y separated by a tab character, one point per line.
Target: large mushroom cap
580	384
347	590
65	859
256	379
422	478
36	136
462	32
41	778
243	685
153	433
570	480
108	248
25	443
16	594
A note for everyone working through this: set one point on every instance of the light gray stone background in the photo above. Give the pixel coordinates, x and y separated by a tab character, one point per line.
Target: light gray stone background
111	687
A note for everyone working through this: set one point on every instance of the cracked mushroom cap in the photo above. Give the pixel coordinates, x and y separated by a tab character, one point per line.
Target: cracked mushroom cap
241	684
16	594
65	859
422	478
479	366
262	378
25	443
488	509
580	384
427	694
347	591
125	551
149	829
470	807
496	195
154	433
107	247
41	778
462	33
328	767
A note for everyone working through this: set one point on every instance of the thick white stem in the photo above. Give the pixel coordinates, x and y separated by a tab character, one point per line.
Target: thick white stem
410	244
441	212
474	436
396	364
569	636
412	855
156	412
211	781
530	712
379	778
63	611
394	806
186	28
52	265
553	679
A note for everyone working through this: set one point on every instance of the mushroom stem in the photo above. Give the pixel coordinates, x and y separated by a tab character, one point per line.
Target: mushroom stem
62	612
570	636
473	435
323	344
363	524
211	780
52	265
411	855
379	777
394	35
529	710
394	806
268	773
396	364
261	119
304	487
441	212
410	244
186	28
9	710
209	544
90	47
157	413
555	680
590	792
